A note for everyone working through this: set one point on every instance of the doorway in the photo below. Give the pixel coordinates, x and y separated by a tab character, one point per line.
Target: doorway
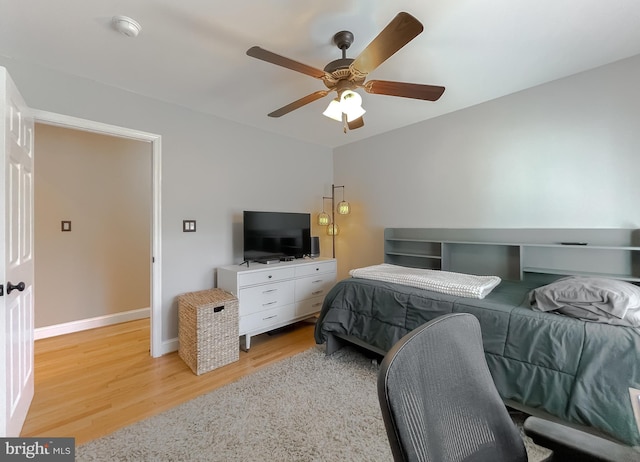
47	118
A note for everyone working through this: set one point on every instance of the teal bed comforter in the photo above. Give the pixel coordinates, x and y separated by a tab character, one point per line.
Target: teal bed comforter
576	370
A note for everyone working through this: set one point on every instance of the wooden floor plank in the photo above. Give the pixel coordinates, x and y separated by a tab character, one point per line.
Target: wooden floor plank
89	384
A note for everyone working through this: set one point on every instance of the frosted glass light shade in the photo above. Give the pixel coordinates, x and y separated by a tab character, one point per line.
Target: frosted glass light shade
354	113
323	219
344	208
334	111
333	230
351	105
349	99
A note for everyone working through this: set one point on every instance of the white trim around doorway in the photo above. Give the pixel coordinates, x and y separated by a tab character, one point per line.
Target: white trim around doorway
157	347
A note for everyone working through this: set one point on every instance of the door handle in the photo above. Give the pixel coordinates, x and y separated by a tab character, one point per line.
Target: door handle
11	287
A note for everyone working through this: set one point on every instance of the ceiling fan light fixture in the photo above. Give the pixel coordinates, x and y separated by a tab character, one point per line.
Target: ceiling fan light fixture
354	112
351	105
334	110
348	104
350	98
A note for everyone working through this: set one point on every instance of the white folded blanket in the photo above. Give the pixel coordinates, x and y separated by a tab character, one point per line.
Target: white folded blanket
446	282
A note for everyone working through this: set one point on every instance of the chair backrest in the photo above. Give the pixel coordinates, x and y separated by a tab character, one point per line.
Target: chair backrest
438	400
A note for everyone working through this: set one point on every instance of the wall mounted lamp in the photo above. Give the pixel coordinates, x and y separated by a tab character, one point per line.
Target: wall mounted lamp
324	219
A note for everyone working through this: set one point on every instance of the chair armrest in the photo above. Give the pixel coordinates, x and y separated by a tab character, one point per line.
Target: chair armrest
568	443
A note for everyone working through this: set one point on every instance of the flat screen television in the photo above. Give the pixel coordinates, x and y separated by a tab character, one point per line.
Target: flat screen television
276	235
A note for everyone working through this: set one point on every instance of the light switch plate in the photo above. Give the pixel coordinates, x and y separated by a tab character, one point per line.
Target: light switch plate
188	226
635	403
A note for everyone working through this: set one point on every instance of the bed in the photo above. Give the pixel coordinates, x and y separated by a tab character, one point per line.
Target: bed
578	371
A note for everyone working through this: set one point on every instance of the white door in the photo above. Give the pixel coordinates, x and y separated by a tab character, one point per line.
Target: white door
16	258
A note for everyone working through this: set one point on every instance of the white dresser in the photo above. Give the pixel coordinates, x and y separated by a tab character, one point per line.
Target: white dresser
278	294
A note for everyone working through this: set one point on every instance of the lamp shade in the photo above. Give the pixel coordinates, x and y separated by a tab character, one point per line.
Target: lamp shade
351	105
323	219
354	113
350	98
333	230
344	208
334	110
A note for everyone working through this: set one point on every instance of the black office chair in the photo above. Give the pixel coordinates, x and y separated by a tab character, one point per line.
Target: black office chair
440	404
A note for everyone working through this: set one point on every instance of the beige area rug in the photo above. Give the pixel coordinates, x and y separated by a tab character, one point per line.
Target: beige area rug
309	407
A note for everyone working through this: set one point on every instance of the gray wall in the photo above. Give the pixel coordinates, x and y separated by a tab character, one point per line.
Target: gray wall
101	184
564	154
212	170
561	155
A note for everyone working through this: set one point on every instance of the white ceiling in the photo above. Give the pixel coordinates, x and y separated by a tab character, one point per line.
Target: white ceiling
192	52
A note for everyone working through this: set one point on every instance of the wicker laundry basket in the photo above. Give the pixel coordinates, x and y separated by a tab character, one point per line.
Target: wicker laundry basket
208	329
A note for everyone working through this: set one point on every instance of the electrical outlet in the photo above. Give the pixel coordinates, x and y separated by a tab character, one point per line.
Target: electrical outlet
65	226
188	226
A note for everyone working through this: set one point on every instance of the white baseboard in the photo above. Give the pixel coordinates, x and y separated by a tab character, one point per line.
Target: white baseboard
169	346
91	323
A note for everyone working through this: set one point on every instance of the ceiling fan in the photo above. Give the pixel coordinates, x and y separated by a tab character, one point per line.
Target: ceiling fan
347	74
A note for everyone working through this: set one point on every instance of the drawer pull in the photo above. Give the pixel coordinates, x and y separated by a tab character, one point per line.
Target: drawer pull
270	303
317	292
316	281
270	317
218	309
269	291
317	304
269	277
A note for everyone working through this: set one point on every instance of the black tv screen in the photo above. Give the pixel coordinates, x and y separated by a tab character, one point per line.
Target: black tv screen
273	235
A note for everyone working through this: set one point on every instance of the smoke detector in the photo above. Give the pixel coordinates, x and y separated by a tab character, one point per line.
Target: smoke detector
127	26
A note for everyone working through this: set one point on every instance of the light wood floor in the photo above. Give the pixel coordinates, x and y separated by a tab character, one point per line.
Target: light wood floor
89	384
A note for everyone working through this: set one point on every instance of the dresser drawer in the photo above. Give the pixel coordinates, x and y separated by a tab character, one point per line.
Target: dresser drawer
309	306
262	277
314	286
315	268
260	298
261	321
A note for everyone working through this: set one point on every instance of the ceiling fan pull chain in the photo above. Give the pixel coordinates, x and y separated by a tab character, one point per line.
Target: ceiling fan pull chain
344	123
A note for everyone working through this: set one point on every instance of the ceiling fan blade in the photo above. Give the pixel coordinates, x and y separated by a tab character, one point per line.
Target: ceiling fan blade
400	31
405	90
356	123
299	103
268	56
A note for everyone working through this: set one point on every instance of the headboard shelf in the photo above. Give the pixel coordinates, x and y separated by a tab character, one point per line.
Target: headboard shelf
558	272
416	255
509	253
